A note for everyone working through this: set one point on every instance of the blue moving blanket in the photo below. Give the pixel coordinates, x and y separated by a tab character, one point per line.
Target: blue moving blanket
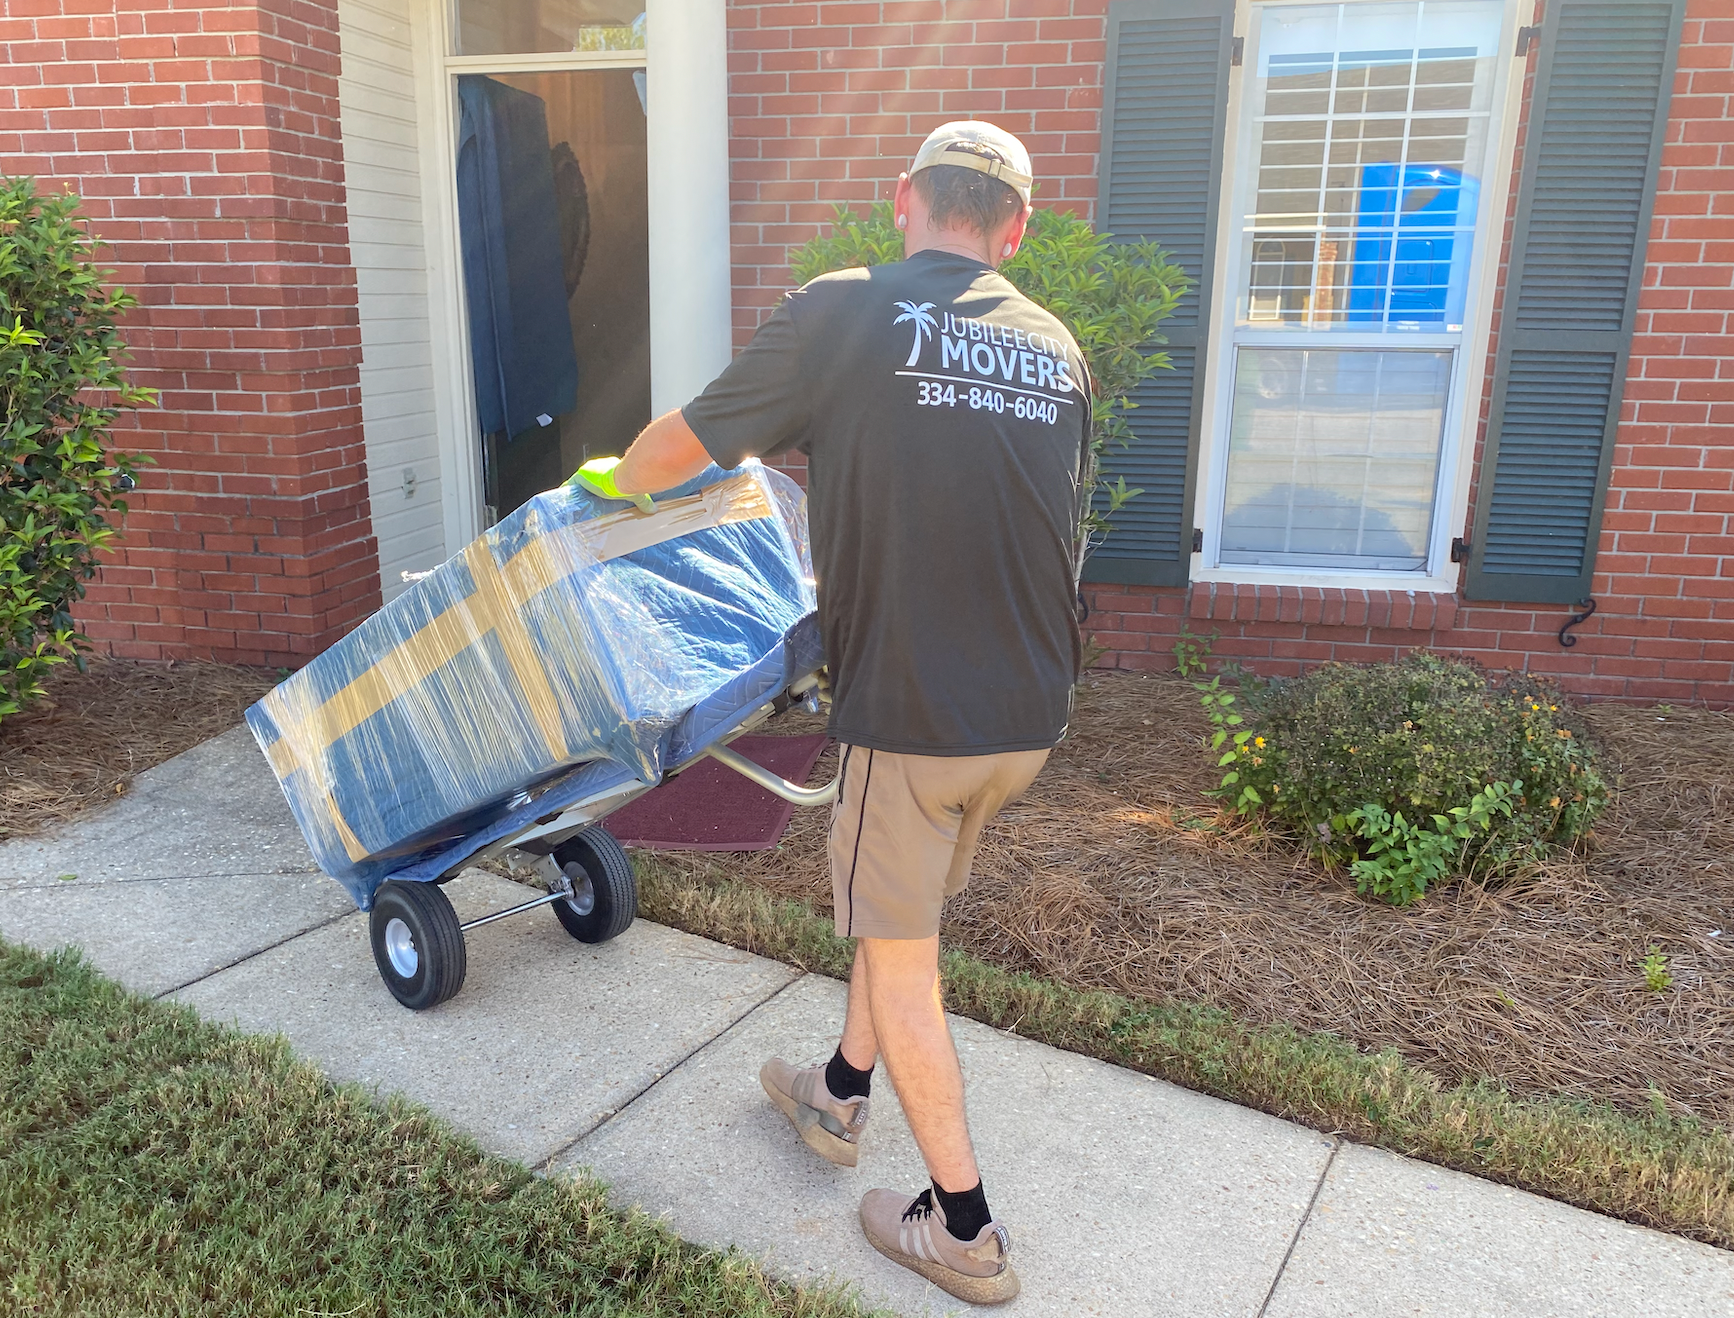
572	647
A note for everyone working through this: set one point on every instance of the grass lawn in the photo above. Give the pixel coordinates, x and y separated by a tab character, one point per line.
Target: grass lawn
151	1163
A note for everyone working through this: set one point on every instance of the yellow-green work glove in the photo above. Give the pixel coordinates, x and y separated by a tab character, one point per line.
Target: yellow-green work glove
597	476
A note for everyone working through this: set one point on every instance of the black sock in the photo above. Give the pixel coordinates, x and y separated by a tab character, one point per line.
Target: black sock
965	1212
844	1081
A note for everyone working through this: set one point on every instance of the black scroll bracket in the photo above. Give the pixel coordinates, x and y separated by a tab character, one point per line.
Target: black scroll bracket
1577	619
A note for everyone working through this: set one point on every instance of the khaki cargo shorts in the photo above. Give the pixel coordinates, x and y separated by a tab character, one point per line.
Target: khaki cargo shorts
905	828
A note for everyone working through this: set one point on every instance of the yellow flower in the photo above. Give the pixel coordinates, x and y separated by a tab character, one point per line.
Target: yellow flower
1564	733
1259	742
1555	707
1554	803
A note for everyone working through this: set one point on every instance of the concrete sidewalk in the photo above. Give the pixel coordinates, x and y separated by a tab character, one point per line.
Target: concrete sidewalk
639	1059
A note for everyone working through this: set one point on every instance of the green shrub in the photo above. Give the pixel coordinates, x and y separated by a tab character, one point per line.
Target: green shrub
61	387
1404	857
1412	770
1110	295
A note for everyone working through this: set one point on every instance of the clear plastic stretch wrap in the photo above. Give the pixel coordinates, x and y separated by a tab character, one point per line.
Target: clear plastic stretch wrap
573	649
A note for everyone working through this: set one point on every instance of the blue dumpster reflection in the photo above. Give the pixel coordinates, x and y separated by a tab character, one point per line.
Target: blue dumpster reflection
1414	234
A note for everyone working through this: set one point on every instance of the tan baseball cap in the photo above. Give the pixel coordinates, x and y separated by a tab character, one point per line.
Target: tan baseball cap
975	144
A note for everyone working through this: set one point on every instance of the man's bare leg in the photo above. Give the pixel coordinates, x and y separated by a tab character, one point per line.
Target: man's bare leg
907	1022
860	1045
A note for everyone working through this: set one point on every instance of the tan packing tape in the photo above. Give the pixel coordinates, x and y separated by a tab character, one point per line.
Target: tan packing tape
305	734
284	762
548	558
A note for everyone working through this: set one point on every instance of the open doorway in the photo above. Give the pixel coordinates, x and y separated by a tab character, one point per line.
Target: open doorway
554	223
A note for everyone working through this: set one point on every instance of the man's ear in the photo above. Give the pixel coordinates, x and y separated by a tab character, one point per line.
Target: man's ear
901	197
1014	235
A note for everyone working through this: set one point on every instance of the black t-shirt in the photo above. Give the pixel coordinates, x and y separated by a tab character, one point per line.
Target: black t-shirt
945	417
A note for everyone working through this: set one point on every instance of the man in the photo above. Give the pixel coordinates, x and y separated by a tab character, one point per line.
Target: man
946	419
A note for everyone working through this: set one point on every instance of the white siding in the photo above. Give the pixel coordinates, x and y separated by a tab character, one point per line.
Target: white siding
382	163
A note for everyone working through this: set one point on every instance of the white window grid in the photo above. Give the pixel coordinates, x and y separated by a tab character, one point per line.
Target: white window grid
1469	346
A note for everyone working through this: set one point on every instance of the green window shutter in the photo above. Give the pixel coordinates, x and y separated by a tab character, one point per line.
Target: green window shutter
1594	144
1162	130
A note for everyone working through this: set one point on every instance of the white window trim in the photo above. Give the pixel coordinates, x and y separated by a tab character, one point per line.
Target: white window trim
691	293
1469	372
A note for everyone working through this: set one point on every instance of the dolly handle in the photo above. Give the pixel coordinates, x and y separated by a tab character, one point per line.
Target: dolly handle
772	783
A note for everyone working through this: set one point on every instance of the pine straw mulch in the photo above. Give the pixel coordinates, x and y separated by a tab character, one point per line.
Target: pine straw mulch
1115	871
83	744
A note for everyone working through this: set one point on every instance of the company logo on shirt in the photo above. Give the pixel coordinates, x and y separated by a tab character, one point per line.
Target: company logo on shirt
923	326
992	352
986	367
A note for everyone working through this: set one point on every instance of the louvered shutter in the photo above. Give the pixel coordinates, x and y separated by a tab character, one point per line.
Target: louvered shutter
1162	131
1594	144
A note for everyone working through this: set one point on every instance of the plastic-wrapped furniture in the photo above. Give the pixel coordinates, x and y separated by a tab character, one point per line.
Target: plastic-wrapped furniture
564	663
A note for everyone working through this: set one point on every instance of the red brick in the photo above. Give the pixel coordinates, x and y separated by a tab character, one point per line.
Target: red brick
153	165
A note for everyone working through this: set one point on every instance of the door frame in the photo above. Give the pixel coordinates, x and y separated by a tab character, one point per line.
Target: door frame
688	233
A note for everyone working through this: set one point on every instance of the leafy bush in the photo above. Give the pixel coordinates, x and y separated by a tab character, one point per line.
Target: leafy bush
61	387
1403	858
1414	769
1110	295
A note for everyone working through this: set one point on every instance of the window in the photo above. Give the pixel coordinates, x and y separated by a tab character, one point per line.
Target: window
512	27
1365	131
1333	178
1332	456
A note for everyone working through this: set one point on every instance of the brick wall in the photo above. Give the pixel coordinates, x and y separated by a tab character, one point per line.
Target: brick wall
204	140
829	100
1664	586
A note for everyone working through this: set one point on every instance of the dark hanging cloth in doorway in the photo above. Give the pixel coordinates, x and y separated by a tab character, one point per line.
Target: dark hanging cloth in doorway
509	224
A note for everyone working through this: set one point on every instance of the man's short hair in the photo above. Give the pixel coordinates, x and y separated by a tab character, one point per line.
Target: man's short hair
956	195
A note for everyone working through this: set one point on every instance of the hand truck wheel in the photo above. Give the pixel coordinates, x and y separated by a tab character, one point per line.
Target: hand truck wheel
604	896
417	943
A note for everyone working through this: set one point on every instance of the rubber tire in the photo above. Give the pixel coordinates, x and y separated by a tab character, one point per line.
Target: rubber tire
439	943
598	856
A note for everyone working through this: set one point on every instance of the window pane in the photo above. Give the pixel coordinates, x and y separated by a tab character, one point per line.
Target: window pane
1362	210
1332	457
543	27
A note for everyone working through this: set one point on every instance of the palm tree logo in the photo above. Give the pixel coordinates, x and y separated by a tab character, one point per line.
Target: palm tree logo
924	324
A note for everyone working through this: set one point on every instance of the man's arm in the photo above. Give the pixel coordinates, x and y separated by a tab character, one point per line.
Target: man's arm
758	405
665	454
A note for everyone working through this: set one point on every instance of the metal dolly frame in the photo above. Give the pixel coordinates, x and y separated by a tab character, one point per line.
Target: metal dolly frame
418	941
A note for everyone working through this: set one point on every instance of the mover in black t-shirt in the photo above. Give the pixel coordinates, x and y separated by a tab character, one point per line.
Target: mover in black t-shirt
945	418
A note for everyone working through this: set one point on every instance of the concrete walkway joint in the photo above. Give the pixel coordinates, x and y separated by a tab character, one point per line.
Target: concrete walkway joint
1312	1203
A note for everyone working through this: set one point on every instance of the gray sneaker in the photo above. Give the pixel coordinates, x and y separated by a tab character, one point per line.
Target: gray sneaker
831	1127
910	1229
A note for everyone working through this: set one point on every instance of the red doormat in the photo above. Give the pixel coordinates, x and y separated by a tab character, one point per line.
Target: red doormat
710	807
